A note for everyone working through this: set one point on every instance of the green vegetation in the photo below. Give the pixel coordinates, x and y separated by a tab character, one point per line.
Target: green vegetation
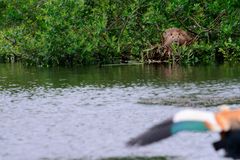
70	32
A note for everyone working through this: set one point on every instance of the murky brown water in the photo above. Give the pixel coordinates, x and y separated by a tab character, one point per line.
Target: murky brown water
90	112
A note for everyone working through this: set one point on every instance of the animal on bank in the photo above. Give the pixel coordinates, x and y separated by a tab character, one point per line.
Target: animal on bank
174	35
226	122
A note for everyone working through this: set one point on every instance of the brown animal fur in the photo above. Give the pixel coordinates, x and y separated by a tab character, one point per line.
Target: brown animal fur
174	35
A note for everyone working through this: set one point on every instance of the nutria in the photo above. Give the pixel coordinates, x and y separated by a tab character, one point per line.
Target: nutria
174	35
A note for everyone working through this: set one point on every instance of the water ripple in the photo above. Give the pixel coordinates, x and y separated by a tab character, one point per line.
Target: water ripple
94	122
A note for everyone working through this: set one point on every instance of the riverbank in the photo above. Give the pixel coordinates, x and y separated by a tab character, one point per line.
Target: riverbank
82	32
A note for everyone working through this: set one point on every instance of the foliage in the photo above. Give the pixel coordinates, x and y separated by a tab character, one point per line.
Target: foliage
68	32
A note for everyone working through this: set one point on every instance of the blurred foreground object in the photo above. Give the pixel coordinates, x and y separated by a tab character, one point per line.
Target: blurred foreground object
226	122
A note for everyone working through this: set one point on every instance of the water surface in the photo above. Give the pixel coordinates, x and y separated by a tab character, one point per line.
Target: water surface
90	112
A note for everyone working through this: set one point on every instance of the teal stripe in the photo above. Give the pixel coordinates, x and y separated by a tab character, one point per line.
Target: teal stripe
188	126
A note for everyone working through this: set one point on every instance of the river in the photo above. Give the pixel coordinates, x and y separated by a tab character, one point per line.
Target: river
90	112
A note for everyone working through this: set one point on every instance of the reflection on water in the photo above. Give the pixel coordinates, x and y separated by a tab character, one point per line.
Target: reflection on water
16	75
90	112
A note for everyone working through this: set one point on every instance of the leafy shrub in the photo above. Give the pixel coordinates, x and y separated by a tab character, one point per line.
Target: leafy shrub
69	32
